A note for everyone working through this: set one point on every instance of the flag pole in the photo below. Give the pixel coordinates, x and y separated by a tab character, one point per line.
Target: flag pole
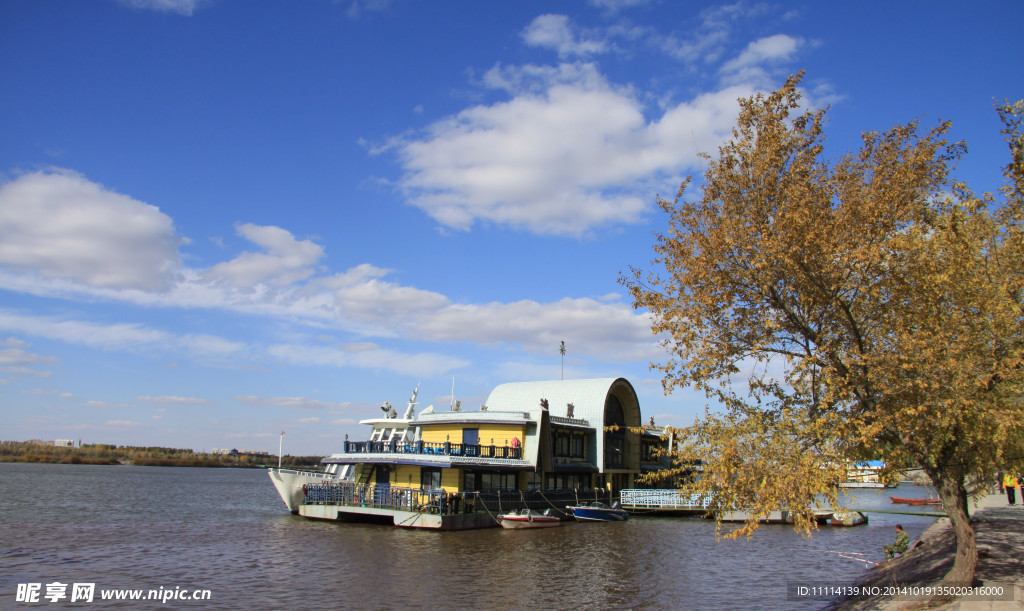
280	446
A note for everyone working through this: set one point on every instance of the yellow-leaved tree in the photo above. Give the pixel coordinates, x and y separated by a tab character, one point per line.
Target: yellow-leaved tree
841	310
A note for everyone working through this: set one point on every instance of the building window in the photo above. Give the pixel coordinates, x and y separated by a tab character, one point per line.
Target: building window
567	481
430	478
497	481
534	482
614	450
562	444
578	446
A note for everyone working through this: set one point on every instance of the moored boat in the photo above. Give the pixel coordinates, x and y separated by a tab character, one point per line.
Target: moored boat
848	518
909	501
598	512
528	518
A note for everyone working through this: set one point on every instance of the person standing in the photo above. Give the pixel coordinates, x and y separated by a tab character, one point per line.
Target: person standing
1010	483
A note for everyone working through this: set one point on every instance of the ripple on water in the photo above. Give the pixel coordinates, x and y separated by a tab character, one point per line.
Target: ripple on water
227	531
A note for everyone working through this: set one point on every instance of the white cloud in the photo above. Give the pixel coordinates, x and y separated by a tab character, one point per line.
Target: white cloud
18	362
171	400
749	66
300	403
358	7
121	336
773	48
47	392
25	371
577	155
555	32
19	357
182	7
285	261
105	405
423	365
59	225
603	331
283	280
614	6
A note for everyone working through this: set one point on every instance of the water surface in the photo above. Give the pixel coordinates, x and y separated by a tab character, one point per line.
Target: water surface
226	530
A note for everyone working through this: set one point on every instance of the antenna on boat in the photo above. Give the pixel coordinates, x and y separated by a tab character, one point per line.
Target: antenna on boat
456	406
280	447
410	410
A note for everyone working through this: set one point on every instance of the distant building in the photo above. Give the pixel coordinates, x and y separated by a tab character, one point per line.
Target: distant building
64	443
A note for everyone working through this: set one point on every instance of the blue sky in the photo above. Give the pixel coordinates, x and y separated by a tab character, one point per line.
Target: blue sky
222	219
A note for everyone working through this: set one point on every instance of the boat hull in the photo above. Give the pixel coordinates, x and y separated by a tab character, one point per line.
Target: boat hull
853	518
908	501
518	522
595	514
289	483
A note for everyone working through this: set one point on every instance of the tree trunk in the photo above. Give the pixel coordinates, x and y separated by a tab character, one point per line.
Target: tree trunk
951	489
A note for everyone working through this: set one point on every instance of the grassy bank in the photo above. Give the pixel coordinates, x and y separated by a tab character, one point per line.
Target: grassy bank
105	454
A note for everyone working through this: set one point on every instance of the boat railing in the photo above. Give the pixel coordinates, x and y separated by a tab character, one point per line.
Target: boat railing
319	474
664	499
493	501
443	448
379	496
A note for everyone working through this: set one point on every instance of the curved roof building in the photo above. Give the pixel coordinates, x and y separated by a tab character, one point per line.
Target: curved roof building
595	403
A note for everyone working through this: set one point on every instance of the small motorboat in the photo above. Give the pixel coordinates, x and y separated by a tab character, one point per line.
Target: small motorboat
528	518
598	512
908	501
848	518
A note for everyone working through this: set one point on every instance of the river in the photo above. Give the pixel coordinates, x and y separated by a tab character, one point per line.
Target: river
227	532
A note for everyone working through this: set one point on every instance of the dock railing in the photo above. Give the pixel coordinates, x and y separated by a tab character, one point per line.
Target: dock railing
663	499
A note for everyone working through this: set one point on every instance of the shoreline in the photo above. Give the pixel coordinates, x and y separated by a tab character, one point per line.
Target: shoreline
999	530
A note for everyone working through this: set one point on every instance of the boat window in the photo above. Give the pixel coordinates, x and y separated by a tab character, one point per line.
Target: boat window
430	478
387	435
376	435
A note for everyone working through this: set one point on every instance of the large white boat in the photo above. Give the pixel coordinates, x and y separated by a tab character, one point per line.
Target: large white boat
531	446
290	483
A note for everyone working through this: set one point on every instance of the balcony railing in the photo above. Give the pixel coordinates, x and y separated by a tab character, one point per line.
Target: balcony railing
443	448
493	501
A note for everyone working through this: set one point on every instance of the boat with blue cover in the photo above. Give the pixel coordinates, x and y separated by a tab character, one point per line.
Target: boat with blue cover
598	512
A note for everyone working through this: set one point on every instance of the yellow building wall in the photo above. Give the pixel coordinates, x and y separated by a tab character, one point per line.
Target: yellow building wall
407	476
441	434
502	434
451	480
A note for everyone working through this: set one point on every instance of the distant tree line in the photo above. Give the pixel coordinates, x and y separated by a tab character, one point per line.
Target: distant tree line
107	454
